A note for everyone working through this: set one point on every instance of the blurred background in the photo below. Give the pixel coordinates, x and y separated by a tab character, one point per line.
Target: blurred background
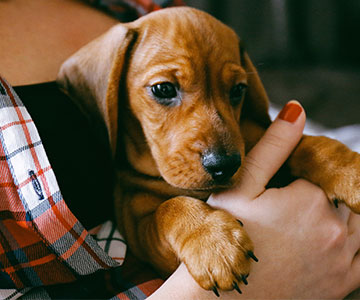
306	50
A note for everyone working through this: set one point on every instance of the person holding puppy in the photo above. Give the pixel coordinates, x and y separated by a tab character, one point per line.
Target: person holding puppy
306	247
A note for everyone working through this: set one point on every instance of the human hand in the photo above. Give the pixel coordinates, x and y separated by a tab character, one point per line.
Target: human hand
306	247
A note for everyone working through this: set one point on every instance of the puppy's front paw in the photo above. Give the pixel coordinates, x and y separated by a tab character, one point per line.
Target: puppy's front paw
218	253
331	165
344	184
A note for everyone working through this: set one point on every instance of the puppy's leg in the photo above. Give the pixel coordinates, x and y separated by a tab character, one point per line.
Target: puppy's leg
212	243
321	160
331	165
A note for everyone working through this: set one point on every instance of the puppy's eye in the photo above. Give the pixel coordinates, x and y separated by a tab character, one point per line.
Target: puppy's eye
236	93
165	90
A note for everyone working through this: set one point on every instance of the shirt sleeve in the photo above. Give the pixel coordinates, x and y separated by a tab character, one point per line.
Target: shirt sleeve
129	10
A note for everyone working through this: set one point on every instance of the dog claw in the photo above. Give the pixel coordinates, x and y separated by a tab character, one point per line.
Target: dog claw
336	203
252	255
243	278
214	289
236	287
241	223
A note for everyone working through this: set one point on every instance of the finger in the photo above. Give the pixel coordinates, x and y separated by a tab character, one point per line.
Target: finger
312	192
354	278
269	154
343	212
354	232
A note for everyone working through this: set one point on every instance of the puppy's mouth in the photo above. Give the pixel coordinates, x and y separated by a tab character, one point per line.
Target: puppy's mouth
214	188
201	185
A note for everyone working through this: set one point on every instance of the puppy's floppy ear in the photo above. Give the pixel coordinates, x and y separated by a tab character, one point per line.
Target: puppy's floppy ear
92	76
256	103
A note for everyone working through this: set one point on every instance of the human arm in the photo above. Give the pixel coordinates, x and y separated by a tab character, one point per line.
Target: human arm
44	35
306	247
38	36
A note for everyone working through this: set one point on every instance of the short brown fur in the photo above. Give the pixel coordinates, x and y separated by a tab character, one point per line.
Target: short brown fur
161	182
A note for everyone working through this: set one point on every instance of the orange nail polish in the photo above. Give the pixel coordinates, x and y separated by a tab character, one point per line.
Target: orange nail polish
290	112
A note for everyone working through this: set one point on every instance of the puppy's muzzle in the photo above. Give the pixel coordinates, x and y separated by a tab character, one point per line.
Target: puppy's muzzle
220	165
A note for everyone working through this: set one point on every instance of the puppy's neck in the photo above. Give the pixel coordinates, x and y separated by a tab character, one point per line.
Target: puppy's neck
133	180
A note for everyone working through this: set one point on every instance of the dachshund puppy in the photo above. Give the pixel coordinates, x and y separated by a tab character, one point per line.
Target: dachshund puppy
183	104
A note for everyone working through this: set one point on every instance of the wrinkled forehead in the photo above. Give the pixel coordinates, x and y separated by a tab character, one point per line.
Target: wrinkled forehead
176	33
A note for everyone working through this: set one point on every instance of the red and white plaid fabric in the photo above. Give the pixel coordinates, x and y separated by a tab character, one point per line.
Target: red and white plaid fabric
45	252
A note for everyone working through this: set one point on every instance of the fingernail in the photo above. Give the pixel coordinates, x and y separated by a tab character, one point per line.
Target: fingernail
243	277
252	255
290	112
216	292
236	287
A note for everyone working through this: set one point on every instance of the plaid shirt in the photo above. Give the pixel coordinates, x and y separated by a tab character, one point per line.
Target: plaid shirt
45	252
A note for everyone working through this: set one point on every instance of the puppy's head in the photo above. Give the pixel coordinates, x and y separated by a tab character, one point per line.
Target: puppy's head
186	84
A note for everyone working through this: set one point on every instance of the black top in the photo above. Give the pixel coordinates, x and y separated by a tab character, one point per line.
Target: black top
82	164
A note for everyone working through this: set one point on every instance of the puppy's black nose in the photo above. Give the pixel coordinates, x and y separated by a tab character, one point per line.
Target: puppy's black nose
221	166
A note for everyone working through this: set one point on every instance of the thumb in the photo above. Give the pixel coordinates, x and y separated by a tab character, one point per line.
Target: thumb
270	153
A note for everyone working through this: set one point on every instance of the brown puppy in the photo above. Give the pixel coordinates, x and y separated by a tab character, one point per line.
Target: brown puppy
183	104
